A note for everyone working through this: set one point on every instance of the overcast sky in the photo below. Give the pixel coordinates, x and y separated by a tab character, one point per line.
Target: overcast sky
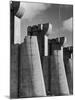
36	13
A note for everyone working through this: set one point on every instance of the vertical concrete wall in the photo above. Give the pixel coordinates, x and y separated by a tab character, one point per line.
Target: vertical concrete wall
47	73
25	85
54	77
37	74
31	76
59	85
64	89
69	75
39	31
14	71
68	61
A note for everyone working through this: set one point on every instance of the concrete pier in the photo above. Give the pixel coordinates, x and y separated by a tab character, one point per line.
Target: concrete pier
59	79
14	60
37	74
31	75
25	82
68	61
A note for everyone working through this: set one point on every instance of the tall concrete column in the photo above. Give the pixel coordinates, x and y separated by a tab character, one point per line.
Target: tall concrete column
53	85
64	90
57	52
32	81
14	60
41	31
68	61
15	17
37	74
25	79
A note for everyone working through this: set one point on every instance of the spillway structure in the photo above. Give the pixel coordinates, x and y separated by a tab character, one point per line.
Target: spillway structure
39	66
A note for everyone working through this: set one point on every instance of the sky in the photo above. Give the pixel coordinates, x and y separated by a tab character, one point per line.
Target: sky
60	16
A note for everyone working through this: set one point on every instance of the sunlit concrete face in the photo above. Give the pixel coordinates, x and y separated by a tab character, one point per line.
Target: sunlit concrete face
32	80
17	30
68	62
37	74
57	61
64	89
